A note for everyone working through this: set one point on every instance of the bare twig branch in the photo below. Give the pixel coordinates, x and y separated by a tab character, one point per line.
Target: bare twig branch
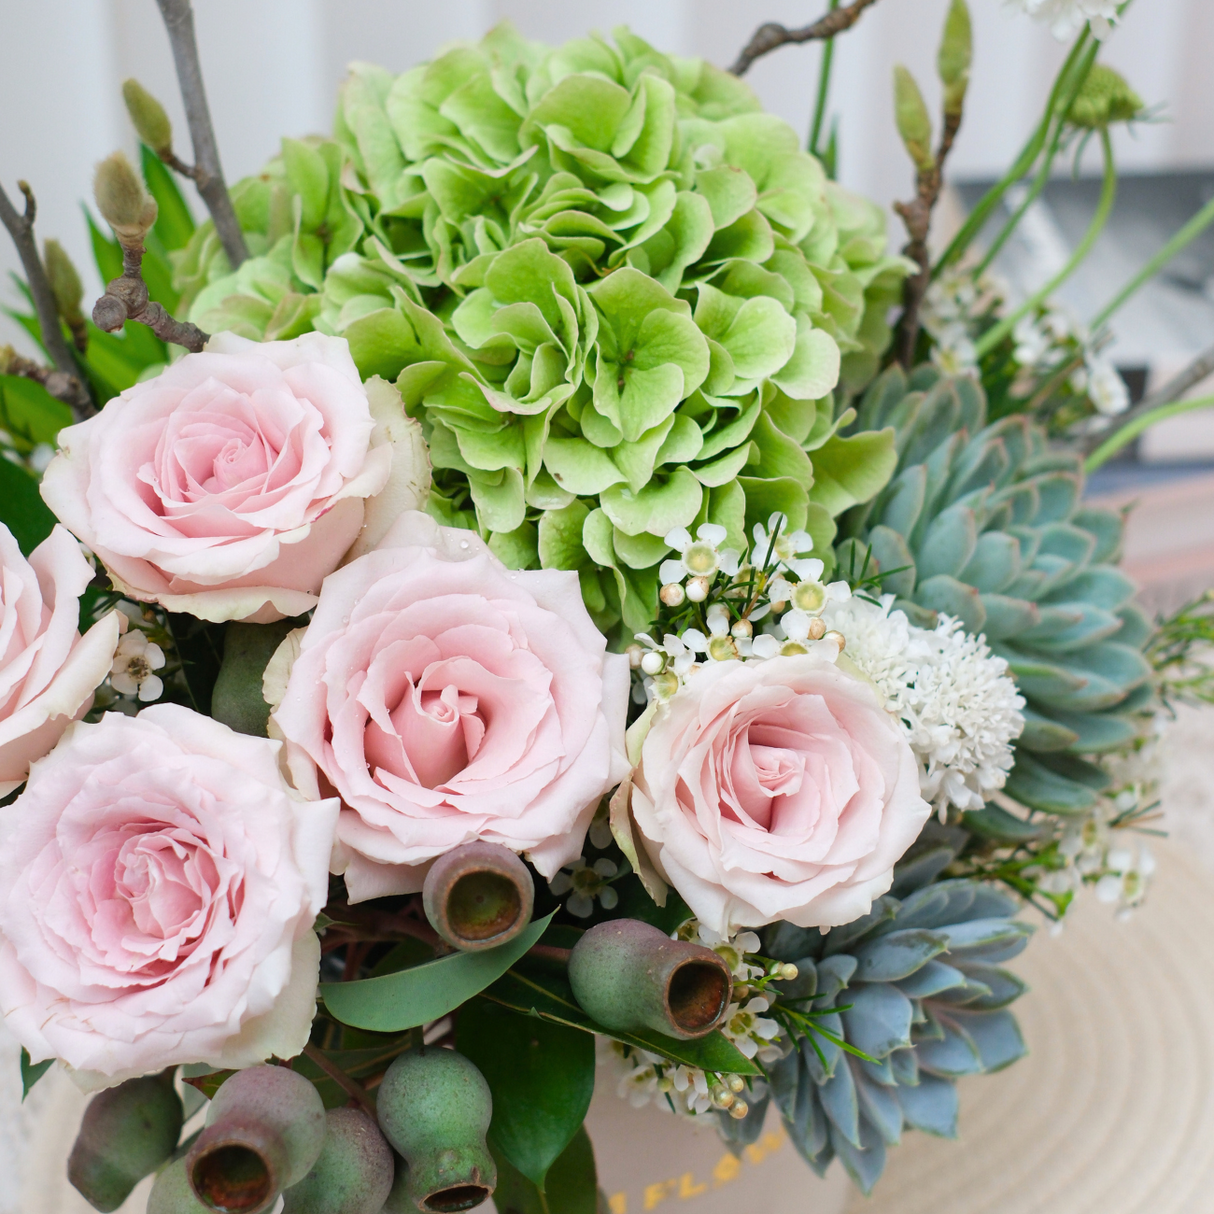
350	1086
65	383
126	298
60	386
1202	367
207	173
917	215
772	36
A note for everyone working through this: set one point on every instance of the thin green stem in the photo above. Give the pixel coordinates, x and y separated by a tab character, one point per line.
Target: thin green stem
1108	194
1043	173
1186	235
824	69
1144	421
1022	165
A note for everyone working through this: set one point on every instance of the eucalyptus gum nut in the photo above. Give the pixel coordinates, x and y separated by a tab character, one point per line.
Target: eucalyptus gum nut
127	1132
172	1194
265	1129
435	1108
627	974
478	896
353	1174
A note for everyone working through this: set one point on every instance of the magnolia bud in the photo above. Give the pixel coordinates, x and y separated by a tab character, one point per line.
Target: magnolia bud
265	1129
353	1174
955	56
65	282
478	895
435	1108
627	974
128	1131
914	125
147	116
122	199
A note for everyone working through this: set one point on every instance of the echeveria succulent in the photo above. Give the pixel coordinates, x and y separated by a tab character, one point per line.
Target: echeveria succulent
617	294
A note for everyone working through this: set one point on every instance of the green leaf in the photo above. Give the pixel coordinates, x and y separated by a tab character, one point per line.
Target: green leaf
174	223
200	647
236	699
572	1183
548	995
29	412
541	1075
31	1072
22	509
426	992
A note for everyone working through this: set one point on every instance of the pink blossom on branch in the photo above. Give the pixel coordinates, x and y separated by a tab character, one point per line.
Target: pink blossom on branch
48	671
448	699
158	885
779	789
232	483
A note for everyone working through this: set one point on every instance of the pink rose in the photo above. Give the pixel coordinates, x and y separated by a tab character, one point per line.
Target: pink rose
158	885
448	699
48	672
233	482
777	789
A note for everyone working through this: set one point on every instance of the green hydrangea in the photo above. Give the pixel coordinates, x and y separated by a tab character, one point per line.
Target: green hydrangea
618	295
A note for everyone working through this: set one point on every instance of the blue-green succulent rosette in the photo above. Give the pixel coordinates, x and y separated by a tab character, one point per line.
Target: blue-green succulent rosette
619	297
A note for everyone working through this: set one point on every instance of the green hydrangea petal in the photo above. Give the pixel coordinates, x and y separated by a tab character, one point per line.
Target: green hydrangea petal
580	467
499	499
560	537
813	369
658	508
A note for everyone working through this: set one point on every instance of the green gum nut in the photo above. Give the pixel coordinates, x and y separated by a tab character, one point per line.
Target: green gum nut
265	1129
478	896
353	1174
627	974
171	1194
435	1108
127	1132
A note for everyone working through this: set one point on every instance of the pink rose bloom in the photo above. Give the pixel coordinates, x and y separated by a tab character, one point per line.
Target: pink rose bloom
448	699
48	671
158	884
233	482
777	789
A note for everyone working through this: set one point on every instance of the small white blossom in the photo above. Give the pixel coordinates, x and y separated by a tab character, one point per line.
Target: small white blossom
1067	17
135	661
1105	387
786	547
699	557
584	884
957	704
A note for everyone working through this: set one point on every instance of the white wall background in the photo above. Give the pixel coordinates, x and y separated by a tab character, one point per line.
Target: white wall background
273	67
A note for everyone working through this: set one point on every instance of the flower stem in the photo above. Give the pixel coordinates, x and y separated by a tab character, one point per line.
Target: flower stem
1144	421
1108	193
1187	234
1043	173
824	70
1023	163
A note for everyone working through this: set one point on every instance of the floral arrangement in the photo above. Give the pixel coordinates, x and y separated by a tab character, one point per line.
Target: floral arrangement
532	584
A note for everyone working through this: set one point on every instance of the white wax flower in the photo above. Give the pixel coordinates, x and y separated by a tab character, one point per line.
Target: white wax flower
1067	17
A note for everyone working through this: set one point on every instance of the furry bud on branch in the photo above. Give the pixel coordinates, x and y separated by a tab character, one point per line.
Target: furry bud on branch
67	290
914	123
123	200
148	117
955	56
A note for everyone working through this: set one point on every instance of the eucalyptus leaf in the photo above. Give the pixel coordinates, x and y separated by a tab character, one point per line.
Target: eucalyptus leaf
571	1186
541	1075
425	992
31	1072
